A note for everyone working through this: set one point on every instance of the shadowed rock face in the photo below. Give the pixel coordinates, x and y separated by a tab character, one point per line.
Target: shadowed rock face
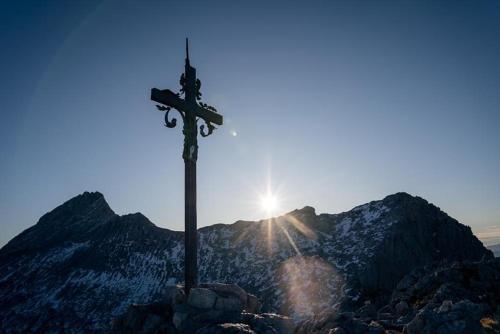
82	264
423	234
450	298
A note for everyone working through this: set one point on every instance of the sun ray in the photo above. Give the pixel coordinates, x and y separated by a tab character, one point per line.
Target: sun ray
301	227
290	239
270	235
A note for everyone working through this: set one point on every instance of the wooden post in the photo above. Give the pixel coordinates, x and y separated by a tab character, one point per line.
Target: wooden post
190	237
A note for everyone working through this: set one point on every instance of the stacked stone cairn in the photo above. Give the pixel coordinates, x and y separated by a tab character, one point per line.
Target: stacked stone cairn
209	308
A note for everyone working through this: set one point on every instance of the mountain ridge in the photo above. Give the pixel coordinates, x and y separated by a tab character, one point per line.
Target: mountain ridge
85	275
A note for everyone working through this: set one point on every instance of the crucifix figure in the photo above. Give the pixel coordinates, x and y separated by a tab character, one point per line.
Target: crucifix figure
191	112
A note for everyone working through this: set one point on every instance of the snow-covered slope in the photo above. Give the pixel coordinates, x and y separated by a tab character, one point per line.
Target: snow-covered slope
81	264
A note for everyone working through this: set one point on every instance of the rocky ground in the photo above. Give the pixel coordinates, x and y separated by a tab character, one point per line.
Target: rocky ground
210	308
455	298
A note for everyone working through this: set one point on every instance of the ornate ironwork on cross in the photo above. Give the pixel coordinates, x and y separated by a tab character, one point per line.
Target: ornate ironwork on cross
191	111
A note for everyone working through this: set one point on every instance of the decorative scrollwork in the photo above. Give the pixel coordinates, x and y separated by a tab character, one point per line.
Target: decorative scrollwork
206	106
182	82
169	123
198	86
210	128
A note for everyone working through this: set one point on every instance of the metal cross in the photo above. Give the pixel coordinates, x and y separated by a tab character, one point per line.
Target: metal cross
191	111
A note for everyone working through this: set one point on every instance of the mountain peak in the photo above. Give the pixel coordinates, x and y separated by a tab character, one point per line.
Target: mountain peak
69	222
90	204
306	210
401	196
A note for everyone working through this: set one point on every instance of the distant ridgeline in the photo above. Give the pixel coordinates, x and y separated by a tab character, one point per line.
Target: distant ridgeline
82	264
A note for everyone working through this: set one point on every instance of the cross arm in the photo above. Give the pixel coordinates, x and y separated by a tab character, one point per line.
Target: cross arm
208	115
169	98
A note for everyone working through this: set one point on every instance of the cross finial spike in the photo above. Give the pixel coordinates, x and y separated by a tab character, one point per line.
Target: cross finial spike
187	50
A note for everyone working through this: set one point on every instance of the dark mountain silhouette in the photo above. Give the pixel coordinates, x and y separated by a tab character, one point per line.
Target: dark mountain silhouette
495	249
82	264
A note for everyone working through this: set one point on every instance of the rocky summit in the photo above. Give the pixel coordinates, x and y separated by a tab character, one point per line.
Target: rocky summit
209	308
81	265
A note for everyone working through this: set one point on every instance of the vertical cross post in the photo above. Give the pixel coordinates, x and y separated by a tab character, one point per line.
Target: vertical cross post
190	238
191	111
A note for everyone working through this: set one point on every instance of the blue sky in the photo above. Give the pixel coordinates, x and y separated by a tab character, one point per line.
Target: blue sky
335	103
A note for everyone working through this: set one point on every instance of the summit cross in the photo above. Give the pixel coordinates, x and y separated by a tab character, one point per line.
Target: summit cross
191	111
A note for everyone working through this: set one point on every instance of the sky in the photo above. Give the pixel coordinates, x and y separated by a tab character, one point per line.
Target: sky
327	103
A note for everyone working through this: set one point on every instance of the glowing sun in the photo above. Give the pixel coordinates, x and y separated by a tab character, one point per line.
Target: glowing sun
269	203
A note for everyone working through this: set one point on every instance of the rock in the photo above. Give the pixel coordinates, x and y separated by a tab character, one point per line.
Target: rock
253	304
216	316
226	290
415	326
385	309
139	317
202	298
229	304
491	325
179	318
152	324
280	323
460	318
337	330
445	306
385	316
173	294
403	320
204	311
375	328
226	329
367	311
326	321
401	308
255	321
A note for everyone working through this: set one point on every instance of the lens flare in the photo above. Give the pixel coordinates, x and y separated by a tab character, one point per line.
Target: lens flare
311	285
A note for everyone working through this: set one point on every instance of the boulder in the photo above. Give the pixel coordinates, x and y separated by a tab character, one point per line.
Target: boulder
172	294
445	306
402	308
257	323
179	318
202	298
253	305
216	317
229	304
367	311
226	290
375	328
